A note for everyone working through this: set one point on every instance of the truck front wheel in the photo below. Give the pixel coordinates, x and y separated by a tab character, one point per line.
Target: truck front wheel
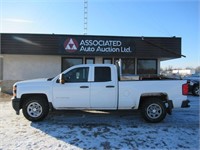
35	108
153	110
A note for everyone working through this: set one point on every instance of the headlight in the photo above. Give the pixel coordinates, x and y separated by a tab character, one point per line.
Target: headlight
14	90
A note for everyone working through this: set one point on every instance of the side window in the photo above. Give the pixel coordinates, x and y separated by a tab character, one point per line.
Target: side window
102	74
77	75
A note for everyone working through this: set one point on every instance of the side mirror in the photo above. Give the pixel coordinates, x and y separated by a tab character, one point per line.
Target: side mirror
61	79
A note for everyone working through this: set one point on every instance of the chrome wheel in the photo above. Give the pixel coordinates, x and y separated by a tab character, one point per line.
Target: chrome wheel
154	111
34	109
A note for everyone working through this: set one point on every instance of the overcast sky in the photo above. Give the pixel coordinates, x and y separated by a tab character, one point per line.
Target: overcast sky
157	18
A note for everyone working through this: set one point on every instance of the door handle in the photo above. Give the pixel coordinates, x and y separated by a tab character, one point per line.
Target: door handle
110	86
84	87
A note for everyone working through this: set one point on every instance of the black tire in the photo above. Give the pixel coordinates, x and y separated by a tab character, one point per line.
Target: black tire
195	90
35	108
153	110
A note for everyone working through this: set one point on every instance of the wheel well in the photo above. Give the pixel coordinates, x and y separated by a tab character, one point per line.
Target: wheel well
27	96
196	84
161	96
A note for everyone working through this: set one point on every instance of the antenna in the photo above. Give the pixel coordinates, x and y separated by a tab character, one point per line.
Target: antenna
85	16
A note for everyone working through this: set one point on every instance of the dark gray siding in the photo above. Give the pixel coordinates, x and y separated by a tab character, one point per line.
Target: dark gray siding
50	44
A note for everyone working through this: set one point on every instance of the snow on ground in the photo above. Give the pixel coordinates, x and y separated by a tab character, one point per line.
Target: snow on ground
99	130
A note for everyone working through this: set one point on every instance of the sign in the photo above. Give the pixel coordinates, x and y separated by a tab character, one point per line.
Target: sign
71	45
98	46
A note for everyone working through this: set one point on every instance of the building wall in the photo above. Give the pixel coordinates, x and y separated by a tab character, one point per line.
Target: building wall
158	66
1	68
23	67
98	60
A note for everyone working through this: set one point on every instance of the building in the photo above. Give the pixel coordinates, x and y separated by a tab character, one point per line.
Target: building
28	56
183	72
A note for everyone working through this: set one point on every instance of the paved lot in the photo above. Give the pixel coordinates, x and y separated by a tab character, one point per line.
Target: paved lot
99	130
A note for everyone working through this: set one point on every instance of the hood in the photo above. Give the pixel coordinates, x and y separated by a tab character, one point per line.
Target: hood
42	80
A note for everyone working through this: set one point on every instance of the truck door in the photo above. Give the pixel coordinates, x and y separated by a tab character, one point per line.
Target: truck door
103	89
75	92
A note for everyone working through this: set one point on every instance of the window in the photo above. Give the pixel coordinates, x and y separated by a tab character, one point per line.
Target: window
77	75
102	74
128	66
89	60
107	60
146	66
68	62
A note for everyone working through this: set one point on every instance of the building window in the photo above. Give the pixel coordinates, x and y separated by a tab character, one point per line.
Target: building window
107	60
68	62
89	61
128	66
77	75
102	74
146	66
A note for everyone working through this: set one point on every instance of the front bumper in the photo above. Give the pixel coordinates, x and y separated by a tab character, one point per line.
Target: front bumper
16	104
185	104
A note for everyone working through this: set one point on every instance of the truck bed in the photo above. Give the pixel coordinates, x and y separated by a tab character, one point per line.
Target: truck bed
131	91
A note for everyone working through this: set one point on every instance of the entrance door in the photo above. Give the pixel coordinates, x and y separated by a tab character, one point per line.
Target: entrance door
75	92
103	89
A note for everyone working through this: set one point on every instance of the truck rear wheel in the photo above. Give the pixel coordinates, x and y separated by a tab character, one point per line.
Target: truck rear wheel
153	110
35	108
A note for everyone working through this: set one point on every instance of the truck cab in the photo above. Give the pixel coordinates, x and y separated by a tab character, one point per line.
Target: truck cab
86	87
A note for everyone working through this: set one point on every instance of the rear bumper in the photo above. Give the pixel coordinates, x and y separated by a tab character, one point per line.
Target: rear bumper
185	104
16	104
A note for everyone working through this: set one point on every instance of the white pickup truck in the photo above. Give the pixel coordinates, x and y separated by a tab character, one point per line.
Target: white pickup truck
98	87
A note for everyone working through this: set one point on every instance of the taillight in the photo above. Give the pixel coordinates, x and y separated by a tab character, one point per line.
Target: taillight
185	89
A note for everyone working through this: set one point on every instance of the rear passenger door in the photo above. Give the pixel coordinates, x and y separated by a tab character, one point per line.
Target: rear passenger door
103	89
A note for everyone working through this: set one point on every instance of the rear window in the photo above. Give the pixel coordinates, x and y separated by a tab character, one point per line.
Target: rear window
102	74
